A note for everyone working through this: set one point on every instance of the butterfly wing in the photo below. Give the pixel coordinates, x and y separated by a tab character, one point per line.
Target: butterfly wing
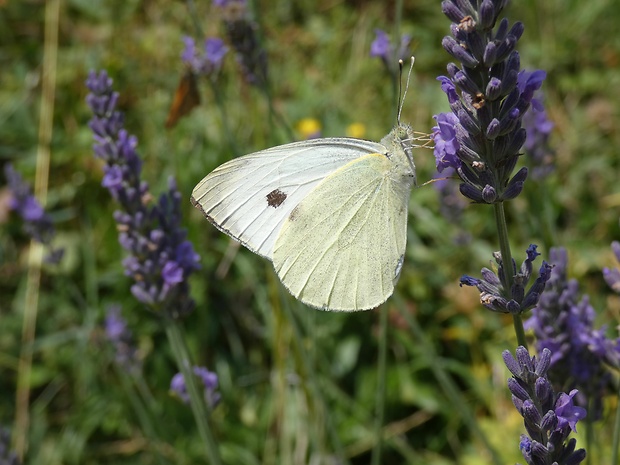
342	247
250	197
186	98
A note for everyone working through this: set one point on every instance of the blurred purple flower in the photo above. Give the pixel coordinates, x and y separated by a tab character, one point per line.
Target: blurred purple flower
120	337
548	418
383	48
209	380
486	99
207	61
37	224
160	257
538	128
7	456
563	322
612	275
494	294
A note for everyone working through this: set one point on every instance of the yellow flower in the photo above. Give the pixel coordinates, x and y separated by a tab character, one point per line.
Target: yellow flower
356	130
309	128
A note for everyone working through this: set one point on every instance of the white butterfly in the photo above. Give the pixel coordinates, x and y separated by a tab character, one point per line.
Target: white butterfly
331	214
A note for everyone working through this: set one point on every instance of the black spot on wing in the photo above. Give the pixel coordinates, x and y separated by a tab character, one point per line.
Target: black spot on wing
275	198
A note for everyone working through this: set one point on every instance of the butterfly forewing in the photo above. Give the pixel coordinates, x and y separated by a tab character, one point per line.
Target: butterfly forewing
341	248
250	197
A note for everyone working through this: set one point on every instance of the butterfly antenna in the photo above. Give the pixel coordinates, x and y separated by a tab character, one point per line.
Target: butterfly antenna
401	100
400	90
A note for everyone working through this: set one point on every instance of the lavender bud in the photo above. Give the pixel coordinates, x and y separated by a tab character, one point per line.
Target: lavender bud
489	194
549	421
490	54
516	388
494	89
468	123
451	11
462	80
512	364
476	45
517	141
471	193
487	14
513	191
466	7
502	29
458	52
544	392
539	453
531	414
493	129
513	307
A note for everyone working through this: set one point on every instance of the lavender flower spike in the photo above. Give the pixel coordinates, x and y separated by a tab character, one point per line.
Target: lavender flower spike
209	380
383	48
548	418
485	99
242	35
160	257
563	322
494	294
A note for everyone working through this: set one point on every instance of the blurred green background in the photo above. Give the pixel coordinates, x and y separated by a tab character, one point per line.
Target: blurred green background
298	385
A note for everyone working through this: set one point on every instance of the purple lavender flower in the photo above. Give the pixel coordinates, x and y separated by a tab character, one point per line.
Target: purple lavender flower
484	96
563	322
7	456
120	336
538	128
383	48
160	257
612	275
548	418
494	294
242	35
446	144
207	61
209	380
37	224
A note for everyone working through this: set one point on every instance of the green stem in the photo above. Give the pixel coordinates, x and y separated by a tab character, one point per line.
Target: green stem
616	438
197	401
517	322
380	397
504	247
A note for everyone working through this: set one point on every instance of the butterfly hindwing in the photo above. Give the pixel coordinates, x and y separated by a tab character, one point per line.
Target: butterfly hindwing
342	247
250	197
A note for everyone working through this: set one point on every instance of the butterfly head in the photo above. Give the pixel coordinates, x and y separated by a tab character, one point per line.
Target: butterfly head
400	142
